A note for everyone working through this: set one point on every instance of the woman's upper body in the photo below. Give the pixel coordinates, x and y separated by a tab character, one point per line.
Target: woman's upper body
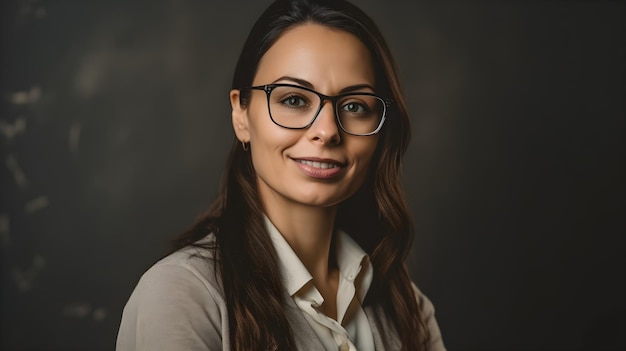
179	304
318	110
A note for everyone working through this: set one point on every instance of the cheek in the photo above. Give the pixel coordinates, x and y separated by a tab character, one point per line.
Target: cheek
367	150
266	136
268	141
260	126
364	154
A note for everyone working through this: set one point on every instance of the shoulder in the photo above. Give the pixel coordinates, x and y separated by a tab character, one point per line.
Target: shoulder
177	304
383	327
195	263
428	313
423	302
191	269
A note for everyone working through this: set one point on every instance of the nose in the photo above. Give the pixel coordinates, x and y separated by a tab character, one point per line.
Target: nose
325	129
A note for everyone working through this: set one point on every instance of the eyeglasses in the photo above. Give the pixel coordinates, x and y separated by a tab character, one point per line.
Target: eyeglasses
296	107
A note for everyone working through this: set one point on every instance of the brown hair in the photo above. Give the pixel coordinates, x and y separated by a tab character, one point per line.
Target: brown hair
377	216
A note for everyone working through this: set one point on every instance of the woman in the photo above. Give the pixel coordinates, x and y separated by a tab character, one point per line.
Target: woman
304	248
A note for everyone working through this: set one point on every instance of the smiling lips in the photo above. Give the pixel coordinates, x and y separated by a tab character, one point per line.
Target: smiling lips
319	168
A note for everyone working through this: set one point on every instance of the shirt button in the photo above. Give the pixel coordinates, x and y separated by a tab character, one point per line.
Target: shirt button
344	347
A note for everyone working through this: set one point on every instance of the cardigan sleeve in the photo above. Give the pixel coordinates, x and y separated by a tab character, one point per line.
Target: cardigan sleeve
173	307
435	342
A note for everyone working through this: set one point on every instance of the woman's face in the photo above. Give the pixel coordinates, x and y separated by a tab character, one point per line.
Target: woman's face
320	165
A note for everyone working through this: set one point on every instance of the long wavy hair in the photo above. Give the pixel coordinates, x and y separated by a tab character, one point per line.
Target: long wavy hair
377	216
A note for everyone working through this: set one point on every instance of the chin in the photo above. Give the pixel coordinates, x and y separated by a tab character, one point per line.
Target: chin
319	199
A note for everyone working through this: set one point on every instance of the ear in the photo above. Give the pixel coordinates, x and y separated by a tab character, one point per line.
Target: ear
239	117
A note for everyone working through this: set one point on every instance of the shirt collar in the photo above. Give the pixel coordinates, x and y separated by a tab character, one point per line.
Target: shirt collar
353	262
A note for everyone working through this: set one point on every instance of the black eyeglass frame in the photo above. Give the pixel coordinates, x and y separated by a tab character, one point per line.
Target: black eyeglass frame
267	88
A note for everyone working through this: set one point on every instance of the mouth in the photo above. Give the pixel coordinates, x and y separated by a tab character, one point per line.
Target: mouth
319	164
320	168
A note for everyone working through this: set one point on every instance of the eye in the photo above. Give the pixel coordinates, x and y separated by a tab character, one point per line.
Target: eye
354	107
294	101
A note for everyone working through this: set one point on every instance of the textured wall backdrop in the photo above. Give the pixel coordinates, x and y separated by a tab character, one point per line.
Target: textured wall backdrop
114	126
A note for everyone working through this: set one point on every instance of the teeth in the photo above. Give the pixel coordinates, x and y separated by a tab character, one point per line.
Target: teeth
322	165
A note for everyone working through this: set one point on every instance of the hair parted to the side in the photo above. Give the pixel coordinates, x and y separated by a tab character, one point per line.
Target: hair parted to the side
377	216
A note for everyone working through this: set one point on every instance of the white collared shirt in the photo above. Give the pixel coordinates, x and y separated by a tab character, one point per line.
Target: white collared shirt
351	331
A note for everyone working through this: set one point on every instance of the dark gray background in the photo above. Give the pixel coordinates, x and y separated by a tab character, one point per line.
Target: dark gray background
115	125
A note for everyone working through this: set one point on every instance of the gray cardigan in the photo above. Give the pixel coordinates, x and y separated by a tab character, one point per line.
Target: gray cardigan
178	304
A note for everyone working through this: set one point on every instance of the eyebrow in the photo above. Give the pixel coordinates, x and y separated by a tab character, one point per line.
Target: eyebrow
307	84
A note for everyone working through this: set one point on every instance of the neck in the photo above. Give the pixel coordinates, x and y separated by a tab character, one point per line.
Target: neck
309	232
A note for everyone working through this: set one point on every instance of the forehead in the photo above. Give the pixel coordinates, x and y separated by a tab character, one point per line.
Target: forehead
326	57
